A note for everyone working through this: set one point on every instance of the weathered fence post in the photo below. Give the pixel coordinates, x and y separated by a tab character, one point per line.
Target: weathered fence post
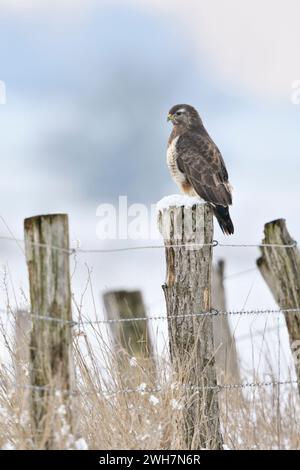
187	292
47	255
133	336
129	337
280	268
227	363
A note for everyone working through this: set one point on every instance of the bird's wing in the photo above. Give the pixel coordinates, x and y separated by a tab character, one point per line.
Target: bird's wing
202	163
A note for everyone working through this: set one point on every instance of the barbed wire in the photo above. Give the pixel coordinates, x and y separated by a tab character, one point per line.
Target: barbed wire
213	312
217	387
38	244
215	243
143	389
259	245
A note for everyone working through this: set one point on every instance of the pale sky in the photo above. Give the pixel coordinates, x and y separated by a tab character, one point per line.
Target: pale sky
254	45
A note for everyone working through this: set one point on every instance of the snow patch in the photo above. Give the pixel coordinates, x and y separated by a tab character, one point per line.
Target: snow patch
142	388
81	444
175	404
177	200
8	446
153	400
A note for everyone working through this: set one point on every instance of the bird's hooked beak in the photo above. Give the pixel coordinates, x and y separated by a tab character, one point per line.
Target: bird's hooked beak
170	117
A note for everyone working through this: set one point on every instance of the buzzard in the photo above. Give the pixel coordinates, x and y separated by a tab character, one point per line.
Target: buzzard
196	164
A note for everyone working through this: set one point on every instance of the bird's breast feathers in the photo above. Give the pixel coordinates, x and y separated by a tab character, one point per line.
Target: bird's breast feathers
177	175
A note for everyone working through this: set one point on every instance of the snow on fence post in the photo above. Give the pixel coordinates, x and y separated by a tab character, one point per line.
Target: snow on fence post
47	256
186	225
280	268
227	362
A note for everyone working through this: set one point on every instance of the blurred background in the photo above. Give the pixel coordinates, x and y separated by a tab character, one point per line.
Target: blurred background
89	84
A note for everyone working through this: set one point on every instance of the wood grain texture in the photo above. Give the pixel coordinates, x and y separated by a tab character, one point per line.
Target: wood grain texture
50	296
130	339
133	336
188	290
280	268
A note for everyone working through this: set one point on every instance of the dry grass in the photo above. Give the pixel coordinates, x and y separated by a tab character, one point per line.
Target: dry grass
132	420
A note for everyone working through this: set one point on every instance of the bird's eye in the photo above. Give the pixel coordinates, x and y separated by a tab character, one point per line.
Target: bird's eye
178	113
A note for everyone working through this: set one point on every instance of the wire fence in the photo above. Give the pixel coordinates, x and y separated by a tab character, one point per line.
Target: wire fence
212	312
217	387
214	244
143	389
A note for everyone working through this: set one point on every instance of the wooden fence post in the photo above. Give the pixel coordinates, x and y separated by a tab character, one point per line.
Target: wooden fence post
280	268
188	291
47	255
227	363
132	337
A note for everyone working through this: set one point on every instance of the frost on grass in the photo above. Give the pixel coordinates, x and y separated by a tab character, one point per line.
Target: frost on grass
142	388
153	400
61	411
177	200
102	420
175	404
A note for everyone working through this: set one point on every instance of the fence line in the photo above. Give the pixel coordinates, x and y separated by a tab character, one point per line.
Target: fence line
213	312
144	390
215	243
218	387
117	320
45	273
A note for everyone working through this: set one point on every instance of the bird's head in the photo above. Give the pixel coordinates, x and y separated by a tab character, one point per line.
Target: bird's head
184	115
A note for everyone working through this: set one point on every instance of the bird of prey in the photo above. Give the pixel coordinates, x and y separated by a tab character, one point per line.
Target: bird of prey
196	164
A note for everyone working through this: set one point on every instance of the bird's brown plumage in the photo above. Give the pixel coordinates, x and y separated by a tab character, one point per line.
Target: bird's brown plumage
196	163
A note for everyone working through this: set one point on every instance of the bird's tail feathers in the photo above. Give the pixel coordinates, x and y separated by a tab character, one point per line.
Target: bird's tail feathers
223	217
